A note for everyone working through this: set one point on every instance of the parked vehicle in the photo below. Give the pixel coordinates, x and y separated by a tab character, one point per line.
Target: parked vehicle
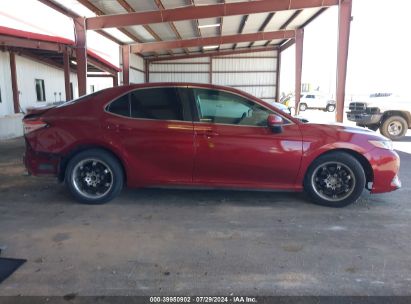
387	112
201	135
315	100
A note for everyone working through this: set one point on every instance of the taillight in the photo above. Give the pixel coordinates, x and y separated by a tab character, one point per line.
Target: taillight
33	125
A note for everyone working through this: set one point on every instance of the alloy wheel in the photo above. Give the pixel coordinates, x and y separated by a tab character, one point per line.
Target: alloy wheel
333	181
92	178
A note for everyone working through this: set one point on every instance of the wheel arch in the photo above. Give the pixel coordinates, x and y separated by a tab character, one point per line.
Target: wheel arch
68	156
369	173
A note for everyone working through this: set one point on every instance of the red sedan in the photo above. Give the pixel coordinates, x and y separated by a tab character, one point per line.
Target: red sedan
198	135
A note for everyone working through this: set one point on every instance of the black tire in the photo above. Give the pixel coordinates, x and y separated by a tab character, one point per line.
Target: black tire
400	127
303	107
330	108
356	182
108	171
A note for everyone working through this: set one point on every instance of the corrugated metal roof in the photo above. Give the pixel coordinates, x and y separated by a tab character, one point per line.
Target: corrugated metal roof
231	25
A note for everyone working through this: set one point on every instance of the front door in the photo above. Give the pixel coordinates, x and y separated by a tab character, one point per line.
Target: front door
235	148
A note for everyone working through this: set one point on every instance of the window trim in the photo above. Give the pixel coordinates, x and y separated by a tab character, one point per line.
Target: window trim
107	105
192	106
43	89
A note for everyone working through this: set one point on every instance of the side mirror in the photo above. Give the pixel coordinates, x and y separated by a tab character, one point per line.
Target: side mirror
275	123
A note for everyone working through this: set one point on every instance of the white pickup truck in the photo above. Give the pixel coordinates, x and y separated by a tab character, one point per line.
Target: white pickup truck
385	111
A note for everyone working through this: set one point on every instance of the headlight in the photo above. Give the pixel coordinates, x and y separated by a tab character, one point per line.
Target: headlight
383	144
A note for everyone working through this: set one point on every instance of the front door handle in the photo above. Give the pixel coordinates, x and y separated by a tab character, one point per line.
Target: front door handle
208	133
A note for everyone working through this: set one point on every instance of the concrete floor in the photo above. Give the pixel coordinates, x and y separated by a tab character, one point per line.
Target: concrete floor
154	242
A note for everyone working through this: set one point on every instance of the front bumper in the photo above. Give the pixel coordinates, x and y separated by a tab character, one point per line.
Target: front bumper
385	165
364	118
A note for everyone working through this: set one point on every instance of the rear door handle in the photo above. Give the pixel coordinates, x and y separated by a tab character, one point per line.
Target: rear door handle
111	126
117	127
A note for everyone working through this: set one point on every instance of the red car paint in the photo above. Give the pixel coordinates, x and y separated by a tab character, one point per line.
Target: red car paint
191	153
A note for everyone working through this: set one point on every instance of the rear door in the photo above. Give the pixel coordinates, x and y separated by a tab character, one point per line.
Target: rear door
155	130
234	146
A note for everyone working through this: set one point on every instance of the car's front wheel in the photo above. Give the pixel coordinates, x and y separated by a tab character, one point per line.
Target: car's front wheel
335	179
94	176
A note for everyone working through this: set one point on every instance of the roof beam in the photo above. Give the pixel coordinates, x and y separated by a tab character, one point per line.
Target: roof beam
264	25
130	9
220	28
241	28
203	11
100	13
286	44
171	24
42	59
30	44
196	24
198	42
69	13
215	53
293	16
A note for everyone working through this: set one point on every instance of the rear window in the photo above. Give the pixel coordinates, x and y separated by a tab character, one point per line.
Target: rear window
155	103
158	103
121	106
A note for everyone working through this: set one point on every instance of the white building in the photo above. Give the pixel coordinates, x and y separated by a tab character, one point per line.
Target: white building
39	75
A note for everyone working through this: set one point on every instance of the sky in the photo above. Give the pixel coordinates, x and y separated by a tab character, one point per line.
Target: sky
379	54
379	58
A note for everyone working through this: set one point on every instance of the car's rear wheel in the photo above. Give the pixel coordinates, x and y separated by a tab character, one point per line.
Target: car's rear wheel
336	179
94	176
331	108
303	107
394	127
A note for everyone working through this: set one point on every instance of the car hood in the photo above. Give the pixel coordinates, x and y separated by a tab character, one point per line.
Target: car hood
333	129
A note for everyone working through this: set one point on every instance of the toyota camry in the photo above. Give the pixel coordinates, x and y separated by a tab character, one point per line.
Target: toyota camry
201	136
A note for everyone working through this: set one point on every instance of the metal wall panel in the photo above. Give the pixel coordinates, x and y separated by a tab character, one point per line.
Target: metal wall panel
170	68
272	53
260	92
245	64
182	70
136	69
233	79
254	73
172	77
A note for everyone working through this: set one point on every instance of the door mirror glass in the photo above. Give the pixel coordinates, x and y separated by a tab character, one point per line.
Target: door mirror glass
275	123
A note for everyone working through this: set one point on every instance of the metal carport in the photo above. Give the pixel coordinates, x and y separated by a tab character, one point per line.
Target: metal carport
163	30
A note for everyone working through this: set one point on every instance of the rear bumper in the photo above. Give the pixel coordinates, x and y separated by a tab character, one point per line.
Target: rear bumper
41	164
364	118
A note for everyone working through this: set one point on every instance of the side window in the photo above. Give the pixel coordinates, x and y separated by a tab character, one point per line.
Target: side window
121	106
40	90
226	108
156	103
